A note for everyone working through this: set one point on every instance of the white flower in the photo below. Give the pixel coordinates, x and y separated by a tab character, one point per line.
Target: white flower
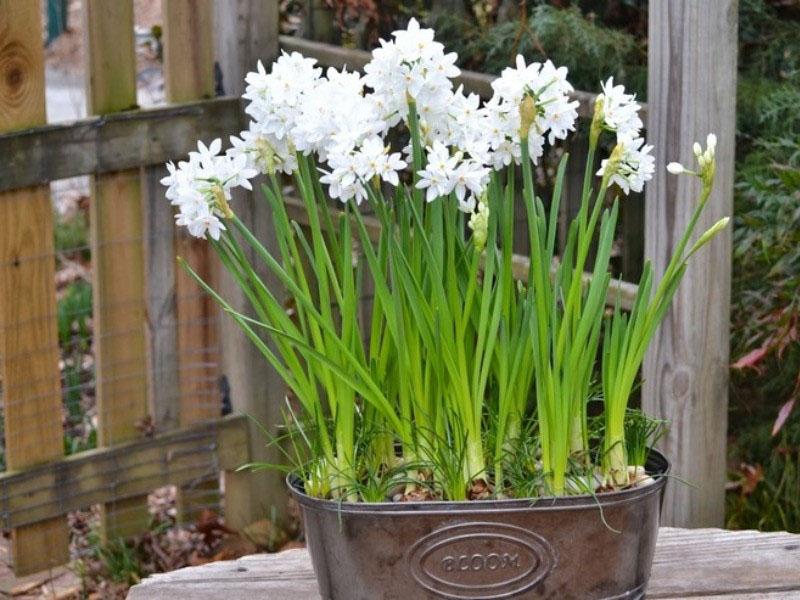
374	160
555	113
415	66
436	177
264	152
469	176
633	165
620	110
337	116
343	180
201	187
276	98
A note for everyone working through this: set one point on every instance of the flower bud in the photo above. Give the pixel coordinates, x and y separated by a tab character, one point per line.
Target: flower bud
711	143
709	234
612	166
527	116
698	151
597	119
676	168
220	201
479	224
265	155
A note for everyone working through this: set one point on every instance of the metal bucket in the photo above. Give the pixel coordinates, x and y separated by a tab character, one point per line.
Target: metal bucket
579	547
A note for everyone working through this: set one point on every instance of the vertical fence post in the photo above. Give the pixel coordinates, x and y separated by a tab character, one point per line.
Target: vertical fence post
691	92
117	255
247	30
319	21
29	374
189	75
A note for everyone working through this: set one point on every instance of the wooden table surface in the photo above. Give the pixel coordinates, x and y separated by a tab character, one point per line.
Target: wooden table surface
689	563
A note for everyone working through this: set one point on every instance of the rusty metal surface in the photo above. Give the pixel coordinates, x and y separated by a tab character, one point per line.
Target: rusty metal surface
573	547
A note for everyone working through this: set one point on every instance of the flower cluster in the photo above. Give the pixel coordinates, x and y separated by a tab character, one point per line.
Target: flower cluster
618	112
343	119
201	187
554	114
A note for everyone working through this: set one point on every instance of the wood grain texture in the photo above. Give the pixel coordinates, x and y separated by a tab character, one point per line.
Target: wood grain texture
124	471
119	307
30	384
110	60
116	228
114	142
703	563
189	76
188	49
247	31
161	310
692	91
189	73
21	65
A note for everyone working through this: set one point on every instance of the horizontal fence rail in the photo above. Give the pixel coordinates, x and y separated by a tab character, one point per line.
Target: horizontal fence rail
181	457
115	142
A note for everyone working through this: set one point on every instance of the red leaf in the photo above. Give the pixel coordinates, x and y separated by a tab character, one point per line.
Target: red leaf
783	414
752	358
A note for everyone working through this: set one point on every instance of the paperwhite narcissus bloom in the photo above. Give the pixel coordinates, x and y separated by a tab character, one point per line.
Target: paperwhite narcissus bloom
374	160
635	165
435	177
620	110
201	187
342	118
412	65
548	86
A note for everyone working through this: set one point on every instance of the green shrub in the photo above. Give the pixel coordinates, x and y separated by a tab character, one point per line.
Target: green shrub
593	52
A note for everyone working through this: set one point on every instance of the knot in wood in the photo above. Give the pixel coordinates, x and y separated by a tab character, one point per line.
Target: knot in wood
13	66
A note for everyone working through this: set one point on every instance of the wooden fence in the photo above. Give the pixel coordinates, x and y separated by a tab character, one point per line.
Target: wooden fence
160	348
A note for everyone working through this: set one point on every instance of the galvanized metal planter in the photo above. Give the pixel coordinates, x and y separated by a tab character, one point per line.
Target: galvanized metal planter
579	547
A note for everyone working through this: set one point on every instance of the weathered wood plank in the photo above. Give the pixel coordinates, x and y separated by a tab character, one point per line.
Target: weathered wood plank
161	310
247	31
481	83
117	255
692	91
188	49
189	75
113	142
104	475
704	563
29	374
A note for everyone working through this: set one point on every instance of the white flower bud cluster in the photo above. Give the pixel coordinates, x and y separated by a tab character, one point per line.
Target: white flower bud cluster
706	160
